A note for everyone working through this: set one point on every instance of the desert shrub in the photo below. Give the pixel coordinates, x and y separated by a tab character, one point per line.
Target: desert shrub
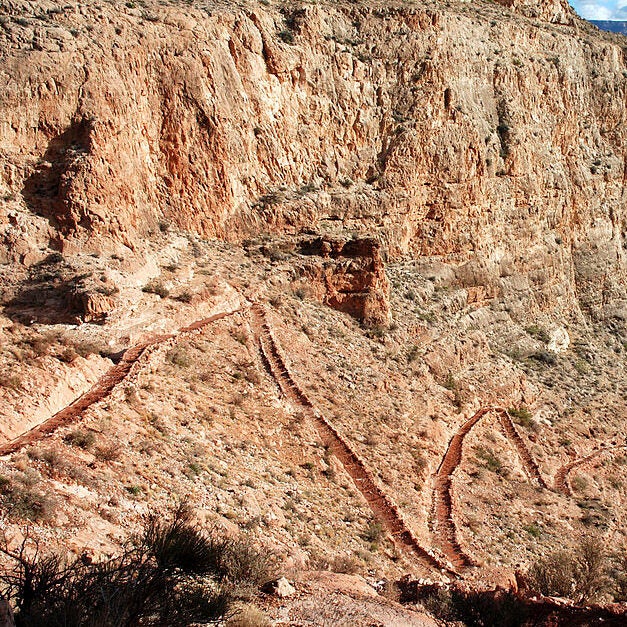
538	333
179	357
286	36
492	462
346	564
375	332
533	529
579	483
81	438
107	452
249	616
172	573
185	297
544	357
581	574
439	602
450	382
156	287
373	532
521	416
40	345
50	456
338	563
22	498
413	353
470	608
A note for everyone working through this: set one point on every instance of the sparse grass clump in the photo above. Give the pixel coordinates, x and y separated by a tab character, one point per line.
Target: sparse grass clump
156	287
521	416
21	498
533	529
107	452
179	357
373	533
491	461
185	297
579	483
538	333
249	616
80	438
450	383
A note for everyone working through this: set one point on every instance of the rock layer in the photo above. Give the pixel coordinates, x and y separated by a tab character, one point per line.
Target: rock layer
489	136
350	277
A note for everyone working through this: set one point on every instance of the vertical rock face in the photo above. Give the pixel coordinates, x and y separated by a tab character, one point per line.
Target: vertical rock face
473	133
554	11
350	278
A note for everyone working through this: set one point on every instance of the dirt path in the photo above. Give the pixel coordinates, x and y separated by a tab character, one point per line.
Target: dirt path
102	388
384	510
445	528
561	483
529	463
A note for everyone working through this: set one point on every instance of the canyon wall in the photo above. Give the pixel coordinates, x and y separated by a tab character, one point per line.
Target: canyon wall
492	137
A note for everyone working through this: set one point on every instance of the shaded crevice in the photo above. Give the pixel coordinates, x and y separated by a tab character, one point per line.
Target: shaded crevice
46	190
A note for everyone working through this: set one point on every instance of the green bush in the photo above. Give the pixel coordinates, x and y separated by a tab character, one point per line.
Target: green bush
521	416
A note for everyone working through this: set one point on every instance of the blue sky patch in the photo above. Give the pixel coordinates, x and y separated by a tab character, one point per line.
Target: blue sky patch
601	9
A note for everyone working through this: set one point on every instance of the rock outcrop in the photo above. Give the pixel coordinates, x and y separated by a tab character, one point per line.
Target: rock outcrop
348	276
481	134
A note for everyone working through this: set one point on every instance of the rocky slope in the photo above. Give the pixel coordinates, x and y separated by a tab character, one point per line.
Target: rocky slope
428	200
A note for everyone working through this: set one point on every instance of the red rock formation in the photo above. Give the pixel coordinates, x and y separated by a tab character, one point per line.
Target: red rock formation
350	277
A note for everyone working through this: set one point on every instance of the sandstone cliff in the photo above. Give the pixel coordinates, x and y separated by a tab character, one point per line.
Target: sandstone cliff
189	190
491	136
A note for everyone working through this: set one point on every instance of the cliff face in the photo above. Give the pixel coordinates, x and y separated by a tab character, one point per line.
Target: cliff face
484	136
208	182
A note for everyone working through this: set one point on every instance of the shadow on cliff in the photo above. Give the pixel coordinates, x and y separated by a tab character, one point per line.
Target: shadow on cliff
46	190
55	294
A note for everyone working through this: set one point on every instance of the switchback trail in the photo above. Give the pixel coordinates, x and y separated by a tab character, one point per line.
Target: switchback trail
102	388
445	528
529	464
385	511
561	484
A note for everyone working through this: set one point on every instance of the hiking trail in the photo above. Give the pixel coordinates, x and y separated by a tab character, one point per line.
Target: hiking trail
385	511
103	386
